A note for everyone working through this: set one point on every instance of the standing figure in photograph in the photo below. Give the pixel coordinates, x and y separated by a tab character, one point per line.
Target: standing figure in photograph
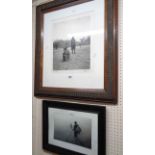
76	129
73	45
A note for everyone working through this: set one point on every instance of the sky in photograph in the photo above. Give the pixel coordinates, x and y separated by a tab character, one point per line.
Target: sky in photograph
77	27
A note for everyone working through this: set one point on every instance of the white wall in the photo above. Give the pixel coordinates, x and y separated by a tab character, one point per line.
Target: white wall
114	113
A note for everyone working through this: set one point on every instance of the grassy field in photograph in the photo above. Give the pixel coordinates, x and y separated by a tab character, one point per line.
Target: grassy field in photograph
80	60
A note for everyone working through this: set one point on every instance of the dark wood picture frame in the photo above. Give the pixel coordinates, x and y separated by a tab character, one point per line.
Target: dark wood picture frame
98	96
101	128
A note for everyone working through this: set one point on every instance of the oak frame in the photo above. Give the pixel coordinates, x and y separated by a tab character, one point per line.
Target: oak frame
107	95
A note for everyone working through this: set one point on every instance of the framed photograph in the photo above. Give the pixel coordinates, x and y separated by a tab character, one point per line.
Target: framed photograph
76	50
73	129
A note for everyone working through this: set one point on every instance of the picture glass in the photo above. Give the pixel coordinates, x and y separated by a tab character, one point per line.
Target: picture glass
74	130
73	45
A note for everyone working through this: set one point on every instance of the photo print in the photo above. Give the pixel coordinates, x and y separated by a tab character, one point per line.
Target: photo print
71	44
73	129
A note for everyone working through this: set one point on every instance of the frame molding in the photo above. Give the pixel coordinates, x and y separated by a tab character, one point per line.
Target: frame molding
98	96
101	112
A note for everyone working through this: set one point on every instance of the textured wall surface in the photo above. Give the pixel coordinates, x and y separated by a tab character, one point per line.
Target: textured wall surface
114	113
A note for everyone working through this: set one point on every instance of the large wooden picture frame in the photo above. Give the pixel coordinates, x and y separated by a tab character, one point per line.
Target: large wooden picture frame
73	129
89	27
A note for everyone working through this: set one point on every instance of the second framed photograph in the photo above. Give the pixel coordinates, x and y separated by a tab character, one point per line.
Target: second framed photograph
76	50
72	129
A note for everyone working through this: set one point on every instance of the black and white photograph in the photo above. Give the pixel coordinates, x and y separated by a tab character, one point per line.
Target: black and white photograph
71	44
72	129
72	48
